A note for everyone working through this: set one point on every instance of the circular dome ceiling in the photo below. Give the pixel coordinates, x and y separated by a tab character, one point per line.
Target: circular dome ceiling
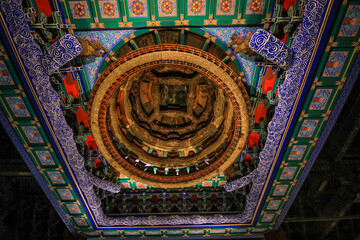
169	115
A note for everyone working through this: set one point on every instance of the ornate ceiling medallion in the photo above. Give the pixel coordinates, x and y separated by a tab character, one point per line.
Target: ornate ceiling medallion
170	115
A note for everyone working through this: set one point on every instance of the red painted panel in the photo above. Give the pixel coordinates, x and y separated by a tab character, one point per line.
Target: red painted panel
82	117
90	142
44	6
268	80
260	112
253	139
72	86
284	38
288	3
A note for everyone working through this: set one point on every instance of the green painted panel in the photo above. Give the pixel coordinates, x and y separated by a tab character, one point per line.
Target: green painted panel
80	11
137	10
334	64
108	10
167	9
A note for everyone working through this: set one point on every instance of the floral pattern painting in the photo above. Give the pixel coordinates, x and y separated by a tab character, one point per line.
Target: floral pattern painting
17	106
288	173
73	208
45	158
297	152
255	6
351	23
79	9
109	8
225	7
111	233
80	221
268	217
308	128
32	134
280	190
167	8
335	64
196	7
5	77
273	205
320	99
56	177
65	194
138	8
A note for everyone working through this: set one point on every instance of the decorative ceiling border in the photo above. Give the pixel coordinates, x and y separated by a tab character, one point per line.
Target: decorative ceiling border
48	98
88	14
345	92
303	46
24	129
328	87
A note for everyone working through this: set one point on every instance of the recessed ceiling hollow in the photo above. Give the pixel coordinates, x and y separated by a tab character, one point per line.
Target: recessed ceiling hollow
170	115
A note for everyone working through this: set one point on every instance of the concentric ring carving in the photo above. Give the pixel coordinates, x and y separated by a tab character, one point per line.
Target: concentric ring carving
178	171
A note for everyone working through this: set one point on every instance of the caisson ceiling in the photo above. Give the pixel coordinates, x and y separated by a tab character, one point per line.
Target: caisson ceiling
167	115
167	118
